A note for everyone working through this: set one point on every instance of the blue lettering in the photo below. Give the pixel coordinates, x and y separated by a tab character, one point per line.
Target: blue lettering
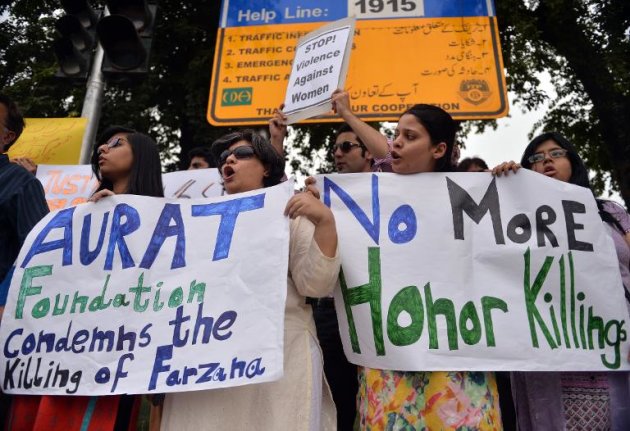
163	230
371	227
11	354
162	354
229	211
62	220
403	217
87	256
119	231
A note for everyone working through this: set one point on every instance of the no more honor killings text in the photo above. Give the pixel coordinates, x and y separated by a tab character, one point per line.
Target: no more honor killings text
574	326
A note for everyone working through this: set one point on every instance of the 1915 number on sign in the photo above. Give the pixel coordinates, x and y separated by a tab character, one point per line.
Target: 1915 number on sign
385	8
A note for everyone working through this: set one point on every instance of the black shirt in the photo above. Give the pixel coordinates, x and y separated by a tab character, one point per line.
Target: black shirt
22	205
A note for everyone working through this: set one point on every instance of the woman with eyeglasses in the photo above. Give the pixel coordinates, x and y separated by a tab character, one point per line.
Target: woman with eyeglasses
573	400
300	400
125	162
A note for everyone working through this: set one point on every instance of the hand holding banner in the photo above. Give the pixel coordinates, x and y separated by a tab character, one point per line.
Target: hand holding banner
147	295
465	271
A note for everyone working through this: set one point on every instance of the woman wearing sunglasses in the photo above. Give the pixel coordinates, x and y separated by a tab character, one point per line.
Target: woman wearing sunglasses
300	400
573	400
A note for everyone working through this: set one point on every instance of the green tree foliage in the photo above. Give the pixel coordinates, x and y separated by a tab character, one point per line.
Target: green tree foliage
584	45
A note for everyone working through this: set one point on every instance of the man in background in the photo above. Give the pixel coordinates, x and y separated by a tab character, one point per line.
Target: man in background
22	201
200	158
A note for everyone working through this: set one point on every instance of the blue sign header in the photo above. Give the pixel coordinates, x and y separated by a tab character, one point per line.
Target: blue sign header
239	13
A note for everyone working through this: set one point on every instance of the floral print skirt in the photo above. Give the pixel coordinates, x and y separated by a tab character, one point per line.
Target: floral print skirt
453	400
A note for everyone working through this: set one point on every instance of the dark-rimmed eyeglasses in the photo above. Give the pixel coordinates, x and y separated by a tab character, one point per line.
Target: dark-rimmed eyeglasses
556	153
243	152
112	143
345	146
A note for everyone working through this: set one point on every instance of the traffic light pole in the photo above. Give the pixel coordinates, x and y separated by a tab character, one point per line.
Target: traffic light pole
92	105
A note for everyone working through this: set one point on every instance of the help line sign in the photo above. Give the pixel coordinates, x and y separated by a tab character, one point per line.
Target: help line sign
319	67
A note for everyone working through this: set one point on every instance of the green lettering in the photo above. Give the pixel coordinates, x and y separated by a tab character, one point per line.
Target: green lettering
447	309
469	314
196	288
27	288
79	300
41	309
176	298
408	299
488	303
138	291
371	293
531	293
98	303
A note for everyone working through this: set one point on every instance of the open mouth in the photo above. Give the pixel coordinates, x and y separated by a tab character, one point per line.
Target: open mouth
395	155
549	170
228	171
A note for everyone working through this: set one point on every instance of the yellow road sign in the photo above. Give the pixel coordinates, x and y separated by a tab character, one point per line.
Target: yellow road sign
451	61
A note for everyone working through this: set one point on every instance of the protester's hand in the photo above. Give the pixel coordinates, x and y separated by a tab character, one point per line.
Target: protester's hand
100	195
307	205
505	168
341	102
26	163
309	187
278	130
278	123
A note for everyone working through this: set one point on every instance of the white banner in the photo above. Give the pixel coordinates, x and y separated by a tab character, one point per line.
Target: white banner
69	185
463	271
195	183
147	295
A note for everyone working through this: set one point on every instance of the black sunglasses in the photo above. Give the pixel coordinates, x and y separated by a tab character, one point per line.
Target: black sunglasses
345	146
243	152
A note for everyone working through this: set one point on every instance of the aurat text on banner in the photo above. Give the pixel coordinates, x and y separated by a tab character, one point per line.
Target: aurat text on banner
147	295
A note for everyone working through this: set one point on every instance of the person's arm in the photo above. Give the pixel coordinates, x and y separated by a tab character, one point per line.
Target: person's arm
375	142
621	215
314	262
278	130
325	235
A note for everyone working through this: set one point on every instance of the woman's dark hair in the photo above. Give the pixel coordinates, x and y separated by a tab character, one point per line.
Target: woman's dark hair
145	178
579	173
441	128
269	157
465	164
15	120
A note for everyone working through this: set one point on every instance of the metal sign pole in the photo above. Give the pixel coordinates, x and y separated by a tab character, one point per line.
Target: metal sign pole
92	105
